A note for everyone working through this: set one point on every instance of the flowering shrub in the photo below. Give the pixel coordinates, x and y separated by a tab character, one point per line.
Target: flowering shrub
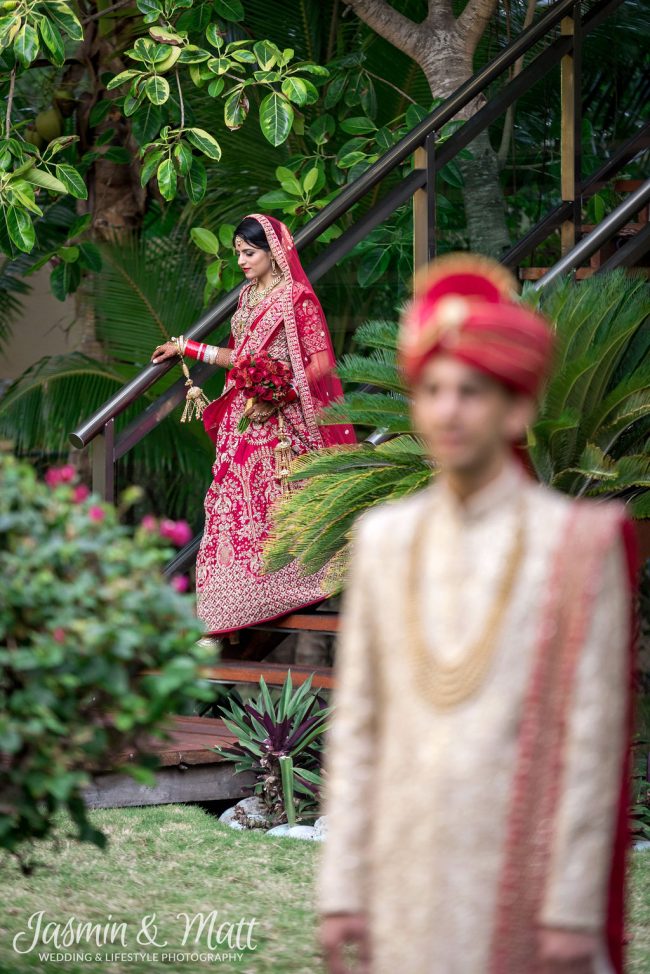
85	610
263	378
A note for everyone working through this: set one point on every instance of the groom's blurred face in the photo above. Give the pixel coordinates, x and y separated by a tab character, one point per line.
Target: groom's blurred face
465	417
254	261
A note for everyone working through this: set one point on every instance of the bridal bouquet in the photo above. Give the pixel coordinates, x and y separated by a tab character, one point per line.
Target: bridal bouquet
263	379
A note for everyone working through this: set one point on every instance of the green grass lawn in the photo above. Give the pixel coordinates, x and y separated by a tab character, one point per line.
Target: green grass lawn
173	859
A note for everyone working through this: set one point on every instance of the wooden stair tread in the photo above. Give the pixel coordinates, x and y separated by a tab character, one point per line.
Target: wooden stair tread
190	743
244	671
303	621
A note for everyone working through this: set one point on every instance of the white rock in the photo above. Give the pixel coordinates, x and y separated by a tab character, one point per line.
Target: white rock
321	826
296	832
249	813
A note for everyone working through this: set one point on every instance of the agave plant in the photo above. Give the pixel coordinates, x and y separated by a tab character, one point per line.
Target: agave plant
590	437
281	742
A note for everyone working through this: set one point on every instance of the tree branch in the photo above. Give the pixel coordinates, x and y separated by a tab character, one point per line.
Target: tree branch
10	98
388	23
473	21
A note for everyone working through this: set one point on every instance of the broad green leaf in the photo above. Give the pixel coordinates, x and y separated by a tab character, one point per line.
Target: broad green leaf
164	36
45	179
26	44
235	110
296	90
219	65
205	240
204	142
119	79
73	181
214	36
373	266
216	87
20	228
288	180
310	180
191	54
229	9
21	192
65	18
6	25
358	126
157	90
68	254
213	272
183	157
167	179
225	234
244	56
90	256
151	162
267	54
196	181
276	118
52	39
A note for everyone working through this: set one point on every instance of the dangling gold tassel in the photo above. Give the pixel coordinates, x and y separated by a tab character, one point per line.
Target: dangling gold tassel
195	399
282	452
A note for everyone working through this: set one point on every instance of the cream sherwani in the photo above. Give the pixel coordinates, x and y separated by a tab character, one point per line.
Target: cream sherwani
417	797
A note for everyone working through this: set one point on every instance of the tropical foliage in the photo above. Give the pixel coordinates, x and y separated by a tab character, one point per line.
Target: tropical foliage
591	437
281	742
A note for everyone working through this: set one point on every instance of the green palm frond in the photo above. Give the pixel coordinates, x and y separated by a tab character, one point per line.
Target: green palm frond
378	333
377	369
371	409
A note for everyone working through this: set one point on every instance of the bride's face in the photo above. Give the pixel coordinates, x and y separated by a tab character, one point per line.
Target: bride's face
254	261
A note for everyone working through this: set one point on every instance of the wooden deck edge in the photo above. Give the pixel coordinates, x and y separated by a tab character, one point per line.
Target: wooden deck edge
173	785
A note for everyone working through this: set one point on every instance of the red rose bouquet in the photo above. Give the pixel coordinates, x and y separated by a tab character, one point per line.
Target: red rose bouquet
263	379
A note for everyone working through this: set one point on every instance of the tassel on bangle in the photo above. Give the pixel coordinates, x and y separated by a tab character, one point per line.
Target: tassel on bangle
195	399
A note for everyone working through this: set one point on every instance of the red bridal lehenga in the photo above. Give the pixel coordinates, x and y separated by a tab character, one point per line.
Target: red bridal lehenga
289	324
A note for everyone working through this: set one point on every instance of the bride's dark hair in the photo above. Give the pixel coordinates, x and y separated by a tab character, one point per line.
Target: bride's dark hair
252	232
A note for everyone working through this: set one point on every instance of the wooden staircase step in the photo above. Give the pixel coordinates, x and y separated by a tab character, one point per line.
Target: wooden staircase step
627	185
242	671
303	622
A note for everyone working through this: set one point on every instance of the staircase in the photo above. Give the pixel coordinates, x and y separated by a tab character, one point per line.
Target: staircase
621	239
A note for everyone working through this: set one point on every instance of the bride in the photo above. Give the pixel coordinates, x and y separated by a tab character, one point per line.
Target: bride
279	313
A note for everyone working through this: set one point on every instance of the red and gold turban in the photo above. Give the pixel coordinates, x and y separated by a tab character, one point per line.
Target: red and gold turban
465	305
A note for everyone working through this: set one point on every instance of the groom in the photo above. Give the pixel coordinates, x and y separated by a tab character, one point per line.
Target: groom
476	765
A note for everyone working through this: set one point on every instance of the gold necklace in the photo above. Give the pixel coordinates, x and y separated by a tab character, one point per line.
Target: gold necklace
260	295
447	684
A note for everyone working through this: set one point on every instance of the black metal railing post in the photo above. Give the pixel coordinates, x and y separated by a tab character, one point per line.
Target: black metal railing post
432	235
103	462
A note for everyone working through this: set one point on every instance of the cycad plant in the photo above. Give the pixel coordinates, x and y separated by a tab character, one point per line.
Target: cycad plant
590	438
281	741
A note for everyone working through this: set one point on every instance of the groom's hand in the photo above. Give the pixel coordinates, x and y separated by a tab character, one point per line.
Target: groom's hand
339	930
567	951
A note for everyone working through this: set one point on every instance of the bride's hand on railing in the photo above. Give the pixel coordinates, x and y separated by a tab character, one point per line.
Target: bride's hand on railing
162	352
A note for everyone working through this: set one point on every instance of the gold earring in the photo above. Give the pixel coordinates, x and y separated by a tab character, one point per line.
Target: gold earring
274	266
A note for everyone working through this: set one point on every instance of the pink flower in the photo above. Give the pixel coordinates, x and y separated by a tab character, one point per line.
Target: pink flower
52	477
178	532
96	513
149	523
67	473
180	583
80	493
59	635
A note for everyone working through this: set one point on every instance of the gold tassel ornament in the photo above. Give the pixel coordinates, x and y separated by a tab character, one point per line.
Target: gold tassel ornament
195	399
282	452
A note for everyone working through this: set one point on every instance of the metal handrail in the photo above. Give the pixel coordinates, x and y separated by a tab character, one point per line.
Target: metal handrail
592	241
350	195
